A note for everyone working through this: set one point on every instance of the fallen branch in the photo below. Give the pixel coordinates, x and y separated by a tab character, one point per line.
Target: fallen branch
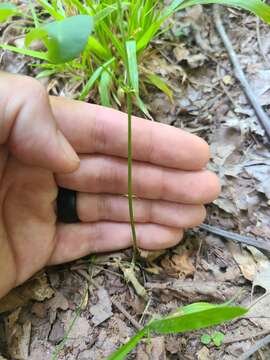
259	344
239	73
248	240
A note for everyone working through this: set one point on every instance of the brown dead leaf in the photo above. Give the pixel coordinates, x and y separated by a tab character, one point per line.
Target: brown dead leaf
103	309
57	302
203	353
155	350
18	336
35	289
178	265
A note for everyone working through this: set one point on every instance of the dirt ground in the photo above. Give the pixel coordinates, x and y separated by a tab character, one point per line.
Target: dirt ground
92	293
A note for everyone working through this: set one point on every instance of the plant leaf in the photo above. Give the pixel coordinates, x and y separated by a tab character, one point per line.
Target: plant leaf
121	353
132	64
218	338
206	339
94	77
51	10
35	54
160	84
7	10
196	319
64	39
105	88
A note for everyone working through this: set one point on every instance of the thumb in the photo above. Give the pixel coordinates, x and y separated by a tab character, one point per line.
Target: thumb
28	128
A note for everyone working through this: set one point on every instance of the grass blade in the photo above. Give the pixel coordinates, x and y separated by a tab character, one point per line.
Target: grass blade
132	65
35	54
90	83
123	351
105	88
160	84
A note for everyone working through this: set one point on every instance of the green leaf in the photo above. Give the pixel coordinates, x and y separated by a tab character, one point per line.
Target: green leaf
35	54
102	14
258	7
160	84
132	64
51	10
94	77
196	319
7	10
46	73
64	39
96	48
122	352
206	339
104	87
218	338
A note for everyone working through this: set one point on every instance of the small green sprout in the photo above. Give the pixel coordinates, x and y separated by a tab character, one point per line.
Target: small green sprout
216	338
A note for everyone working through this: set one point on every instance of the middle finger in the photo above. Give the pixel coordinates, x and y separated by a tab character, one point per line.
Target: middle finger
104	174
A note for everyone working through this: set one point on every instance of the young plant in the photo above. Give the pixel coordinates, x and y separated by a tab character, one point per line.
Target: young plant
102	64
108	61
188	318
216	338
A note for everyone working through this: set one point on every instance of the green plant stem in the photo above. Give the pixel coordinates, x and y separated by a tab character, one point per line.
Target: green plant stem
130	193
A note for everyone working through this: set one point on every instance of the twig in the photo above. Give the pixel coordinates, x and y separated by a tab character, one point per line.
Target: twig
126	314
248	240
259	344
245	337
261	114
258	31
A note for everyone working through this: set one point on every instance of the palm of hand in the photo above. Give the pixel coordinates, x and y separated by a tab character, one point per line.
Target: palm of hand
27	203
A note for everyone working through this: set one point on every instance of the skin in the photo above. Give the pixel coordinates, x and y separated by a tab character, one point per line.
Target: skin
50	142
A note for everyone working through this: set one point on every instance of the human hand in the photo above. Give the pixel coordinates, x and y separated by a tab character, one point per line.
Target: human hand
169	181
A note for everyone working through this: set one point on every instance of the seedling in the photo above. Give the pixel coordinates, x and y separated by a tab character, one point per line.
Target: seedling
188	318
216	338
103	44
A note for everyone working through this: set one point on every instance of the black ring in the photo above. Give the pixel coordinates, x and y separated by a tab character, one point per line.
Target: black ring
67	206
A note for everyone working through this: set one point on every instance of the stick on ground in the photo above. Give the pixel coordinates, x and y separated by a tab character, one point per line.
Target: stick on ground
259	344
239	73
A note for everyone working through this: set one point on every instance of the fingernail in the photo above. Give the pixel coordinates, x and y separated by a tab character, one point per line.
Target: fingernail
71	155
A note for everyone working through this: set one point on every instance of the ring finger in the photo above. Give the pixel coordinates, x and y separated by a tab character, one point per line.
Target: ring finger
100	207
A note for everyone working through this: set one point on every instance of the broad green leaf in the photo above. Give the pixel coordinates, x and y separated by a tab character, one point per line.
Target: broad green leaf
64	39
160	84
7	10
196	320
258	7
132	65
96	74
122	352
196	316
104	87
35	54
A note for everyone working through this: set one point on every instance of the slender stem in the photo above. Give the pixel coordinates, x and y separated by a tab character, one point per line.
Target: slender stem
130	193
129	110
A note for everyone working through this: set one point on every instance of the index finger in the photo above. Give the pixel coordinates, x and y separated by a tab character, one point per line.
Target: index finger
96	129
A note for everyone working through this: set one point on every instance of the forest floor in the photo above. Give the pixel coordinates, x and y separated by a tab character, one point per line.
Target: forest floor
209	102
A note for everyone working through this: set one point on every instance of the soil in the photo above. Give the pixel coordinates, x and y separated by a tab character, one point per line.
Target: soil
106	310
